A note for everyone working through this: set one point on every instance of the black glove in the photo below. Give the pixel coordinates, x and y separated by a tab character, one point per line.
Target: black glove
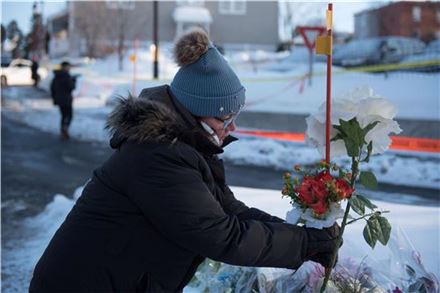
321	244
324	258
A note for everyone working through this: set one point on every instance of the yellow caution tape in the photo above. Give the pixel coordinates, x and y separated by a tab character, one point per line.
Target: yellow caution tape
391	67
371	68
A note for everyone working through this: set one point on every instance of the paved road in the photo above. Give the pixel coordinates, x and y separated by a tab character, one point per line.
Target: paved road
36	165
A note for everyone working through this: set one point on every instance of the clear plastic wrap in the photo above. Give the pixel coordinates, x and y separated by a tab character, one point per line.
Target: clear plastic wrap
395	268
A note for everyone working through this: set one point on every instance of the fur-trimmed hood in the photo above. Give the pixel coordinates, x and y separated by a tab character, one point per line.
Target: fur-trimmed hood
142	120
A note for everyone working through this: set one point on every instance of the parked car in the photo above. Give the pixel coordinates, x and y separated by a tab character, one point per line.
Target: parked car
18	72
382	50
427	61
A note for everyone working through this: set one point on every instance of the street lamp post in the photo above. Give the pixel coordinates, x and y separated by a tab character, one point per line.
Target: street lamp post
155	39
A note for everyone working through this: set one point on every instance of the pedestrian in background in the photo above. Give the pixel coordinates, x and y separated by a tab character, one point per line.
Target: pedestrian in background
61	90
34	71
160	204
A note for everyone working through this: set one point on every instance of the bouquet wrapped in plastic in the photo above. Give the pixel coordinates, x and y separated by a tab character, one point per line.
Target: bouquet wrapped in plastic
398	268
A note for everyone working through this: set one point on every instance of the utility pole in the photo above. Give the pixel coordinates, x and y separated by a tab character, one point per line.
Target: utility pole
45	33
156	39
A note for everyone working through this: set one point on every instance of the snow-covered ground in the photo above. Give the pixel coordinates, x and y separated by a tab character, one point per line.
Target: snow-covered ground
420	224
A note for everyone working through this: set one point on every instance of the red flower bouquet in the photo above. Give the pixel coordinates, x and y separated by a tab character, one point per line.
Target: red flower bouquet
316	197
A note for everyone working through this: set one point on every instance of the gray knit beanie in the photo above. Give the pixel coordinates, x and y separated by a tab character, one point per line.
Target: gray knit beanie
205	84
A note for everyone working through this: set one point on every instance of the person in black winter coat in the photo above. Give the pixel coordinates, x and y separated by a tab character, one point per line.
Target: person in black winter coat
34	71
61	89
160	204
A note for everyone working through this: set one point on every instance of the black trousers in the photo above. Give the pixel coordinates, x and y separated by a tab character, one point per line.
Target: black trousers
66	116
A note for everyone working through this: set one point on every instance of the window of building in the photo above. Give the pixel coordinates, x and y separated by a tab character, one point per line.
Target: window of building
128	5
232	7
438	15
417	13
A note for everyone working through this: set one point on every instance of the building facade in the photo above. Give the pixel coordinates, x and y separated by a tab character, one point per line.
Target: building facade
97	25
407	19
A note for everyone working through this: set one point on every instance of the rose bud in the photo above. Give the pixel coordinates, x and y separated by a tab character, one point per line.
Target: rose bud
323	164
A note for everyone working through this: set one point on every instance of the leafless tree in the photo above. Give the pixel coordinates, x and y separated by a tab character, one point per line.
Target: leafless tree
35	39
106	26
126	25
119	28
92	23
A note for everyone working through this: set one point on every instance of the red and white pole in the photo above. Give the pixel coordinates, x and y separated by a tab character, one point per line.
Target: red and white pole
328	122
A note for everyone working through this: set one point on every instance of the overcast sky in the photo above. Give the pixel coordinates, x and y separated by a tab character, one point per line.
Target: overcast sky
22	12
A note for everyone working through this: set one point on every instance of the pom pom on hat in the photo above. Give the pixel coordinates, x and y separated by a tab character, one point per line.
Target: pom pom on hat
191	46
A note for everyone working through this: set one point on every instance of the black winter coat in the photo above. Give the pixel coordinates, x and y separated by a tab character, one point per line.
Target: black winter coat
61	88
156	209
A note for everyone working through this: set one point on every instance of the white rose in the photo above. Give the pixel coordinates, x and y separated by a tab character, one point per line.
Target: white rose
366	107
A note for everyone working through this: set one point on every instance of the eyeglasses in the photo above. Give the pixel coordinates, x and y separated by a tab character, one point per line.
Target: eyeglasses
228	120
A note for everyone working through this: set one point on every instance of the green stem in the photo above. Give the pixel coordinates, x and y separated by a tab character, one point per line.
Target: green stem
354	172
364	216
